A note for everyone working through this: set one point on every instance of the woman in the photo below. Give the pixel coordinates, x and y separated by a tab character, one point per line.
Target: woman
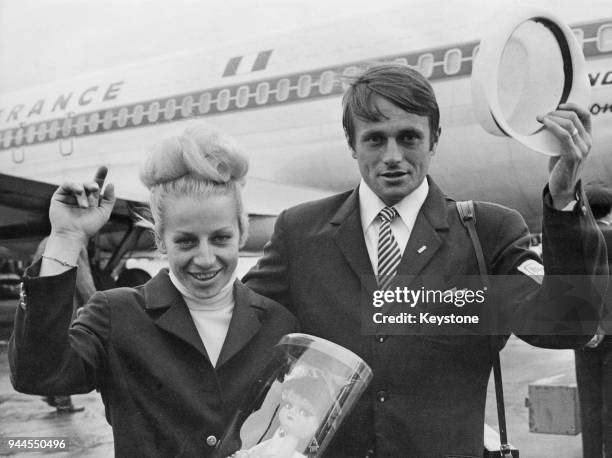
170	358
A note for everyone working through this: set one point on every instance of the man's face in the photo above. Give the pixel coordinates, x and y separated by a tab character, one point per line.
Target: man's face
393	154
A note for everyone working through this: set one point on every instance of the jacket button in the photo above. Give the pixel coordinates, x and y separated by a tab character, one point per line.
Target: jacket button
382	396
369	453
211	440
381	338
584	210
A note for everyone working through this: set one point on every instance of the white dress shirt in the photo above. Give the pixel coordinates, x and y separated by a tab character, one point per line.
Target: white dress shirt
408	208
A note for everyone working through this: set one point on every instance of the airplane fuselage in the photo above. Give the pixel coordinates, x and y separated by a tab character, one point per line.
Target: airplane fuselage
281	100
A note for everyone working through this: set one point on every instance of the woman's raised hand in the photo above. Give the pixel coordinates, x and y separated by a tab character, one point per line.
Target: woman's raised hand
78	211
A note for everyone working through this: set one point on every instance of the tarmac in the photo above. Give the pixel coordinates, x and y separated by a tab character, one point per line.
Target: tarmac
88	434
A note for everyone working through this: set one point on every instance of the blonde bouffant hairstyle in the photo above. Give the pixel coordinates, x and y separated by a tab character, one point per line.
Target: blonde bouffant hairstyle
202	161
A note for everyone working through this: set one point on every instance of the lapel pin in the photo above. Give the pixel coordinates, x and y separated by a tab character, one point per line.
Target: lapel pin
423	248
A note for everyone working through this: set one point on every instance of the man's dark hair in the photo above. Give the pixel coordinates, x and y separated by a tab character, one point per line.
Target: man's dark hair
399	84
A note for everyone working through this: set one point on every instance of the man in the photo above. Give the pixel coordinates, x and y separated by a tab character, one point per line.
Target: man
594	360
428	393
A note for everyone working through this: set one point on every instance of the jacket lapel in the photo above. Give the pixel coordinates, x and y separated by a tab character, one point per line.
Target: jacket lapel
244	323
170	311
161	297
422	245
350	240
424	239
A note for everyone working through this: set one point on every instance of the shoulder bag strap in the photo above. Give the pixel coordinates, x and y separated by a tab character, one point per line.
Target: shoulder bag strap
468	218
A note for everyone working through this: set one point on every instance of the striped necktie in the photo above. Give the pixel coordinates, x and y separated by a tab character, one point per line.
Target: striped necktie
389	254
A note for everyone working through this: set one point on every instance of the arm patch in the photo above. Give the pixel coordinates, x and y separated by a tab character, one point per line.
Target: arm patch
533	269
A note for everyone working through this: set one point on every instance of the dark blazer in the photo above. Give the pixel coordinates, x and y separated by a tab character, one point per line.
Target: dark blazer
427	397
606	320
139	347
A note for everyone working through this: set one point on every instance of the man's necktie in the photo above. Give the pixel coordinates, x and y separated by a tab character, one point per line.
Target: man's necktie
389	254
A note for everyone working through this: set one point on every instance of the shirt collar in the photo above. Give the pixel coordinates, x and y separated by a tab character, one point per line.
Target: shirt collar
408	208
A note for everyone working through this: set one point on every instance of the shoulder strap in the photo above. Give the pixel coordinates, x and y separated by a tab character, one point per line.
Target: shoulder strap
468	218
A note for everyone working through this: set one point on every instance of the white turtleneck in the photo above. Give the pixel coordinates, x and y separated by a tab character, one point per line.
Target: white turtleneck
211	315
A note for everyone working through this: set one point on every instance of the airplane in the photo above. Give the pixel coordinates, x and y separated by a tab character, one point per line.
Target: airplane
279	96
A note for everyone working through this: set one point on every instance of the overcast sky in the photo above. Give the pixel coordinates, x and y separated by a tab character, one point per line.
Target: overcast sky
47	40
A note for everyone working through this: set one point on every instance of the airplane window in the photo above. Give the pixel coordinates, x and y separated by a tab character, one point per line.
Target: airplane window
8	136
187	106
19	136
53	129
67	127
122	117
137	114
170	109
475	51
108	120
30	133
204	104
349	73
604	38
153	113
282	89
223	99
326	82
80	125
94	120
579	34
452	61
42	132
262	93
426	64
242	97
304	85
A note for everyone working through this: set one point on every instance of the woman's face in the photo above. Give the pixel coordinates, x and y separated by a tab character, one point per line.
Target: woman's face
297	416
201	237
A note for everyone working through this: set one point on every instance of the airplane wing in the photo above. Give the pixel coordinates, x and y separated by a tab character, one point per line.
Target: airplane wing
24	206
267	198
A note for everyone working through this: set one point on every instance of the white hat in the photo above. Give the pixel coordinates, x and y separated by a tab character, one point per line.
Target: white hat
527	65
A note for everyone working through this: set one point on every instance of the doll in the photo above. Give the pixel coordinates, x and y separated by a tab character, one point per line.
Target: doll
304	403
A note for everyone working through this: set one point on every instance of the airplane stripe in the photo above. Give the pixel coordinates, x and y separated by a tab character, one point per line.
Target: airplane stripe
246	65
262	60
436	64
232	66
